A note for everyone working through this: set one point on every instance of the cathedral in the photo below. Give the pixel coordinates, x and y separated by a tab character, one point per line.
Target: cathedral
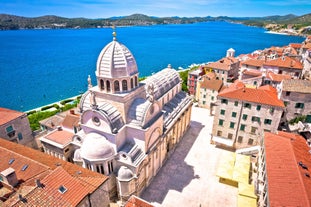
129	128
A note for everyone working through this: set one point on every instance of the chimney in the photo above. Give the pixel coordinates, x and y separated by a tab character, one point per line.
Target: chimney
38	183
21	198
9	177
59	128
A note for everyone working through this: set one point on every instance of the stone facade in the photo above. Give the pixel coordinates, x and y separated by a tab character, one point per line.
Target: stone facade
129	128
296	95
241	119
15	127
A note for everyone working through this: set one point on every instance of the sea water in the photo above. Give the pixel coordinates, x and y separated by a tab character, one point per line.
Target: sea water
38	67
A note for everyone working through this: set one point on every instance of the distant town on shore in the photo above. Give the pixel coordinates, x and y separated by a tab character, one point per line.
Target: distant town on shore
288	24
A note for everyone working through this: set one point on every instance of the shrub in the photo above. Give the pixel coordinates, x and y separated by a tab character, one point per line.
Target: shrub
46	107
34	118
63	102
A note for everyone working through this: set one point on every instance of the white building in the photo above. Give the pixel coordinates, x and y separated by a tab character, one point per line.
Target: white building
129	128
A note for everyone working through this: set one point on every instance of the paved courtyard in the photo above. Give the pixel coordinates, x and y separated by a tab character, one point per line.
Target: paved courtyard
188	176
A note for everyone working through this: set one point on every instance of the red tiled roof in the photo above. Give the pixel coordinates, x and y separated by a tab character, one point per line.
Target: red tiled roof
212	84
71	121
307	46
223	64
52	171
134	201
62	137
284	62
295	45
277	77
287	183
7	115
252	72
253	62
262	95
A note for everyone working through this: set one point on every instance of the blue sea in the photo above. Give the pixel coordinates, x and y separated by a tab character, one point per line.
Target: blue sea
38	67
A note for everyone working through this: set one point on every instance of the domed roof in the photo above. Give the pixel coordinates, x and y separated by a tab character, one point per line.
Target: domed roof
116	61
125	174
96	146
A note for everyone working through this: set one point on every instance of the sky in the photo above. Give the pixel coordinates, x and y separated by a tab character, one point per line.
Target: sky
160	8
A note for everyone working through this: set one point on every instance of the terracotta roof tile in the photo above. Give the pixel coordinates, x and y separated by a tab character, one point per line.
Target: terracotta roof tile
212	84
253	62
277	77
295	45
223	64
252	72
134	201
307	46
62	137
297	85
262	95
7	115
71	121
288	185
284	62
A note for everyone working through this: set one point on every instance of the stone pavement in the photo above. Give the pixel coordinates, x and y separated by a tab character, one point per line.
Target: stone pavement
188	176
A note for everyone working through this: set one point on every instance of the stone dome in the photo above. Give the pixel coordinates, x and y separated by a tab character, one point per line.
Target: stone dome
116	61
96	147
125	174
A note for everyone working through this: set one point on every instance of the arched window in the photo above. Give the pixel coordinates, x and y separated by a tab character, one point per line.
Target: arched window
116	86
124	85
102	86
108	86
132	83
136	81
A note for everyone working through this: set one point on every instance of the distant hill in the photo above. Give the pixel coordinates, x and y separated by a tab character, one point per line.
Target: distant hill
12	22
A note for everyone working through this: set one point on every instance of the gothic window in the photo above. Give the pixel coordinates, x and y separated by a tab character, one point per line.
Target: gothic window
136	81
102	84
116	86
108	86
124	85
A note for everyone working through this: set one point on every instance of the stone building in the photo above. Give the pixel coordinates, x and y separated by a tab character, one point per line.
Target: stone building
226	69
283	171
29	177
193	77
296	95
243	114
15	127
128	127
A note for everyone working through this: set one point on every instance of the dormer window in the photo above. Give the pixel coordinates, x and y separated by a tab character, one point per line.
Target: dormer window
62	189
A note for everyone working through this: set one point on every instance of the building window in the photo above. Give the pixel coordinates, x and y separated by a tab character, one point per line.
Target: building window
286	103
96	120
9	129
242	127
272	110
299	105
204	96
132	83
230	136
136	81
258	107
212	98
244	117
233	114
102	84
219	133
236	103
224	101
253	130
256	119
108	86
232	125
248	105
116	86
287	93
250	141
240	139
204	102
124	85
222	112
268	121
221	122
20	136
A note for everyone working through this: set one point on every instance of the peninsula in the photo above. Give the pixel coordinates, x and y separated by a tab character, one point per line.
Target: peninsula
290	24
